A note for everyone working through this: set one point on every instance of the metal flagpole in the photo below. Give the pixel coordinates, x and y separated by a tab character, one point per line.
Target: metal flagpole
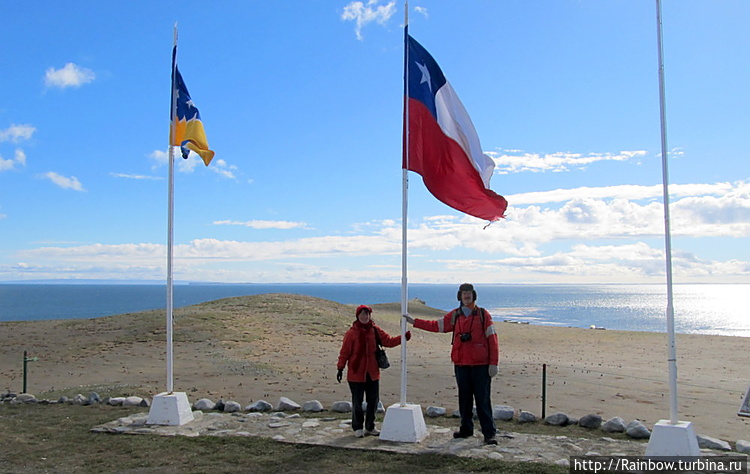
170	408
405	206
170	218
672	358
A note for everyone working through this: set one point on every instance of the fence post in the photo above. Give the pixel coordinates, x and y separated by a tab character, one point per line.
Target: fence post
544	391
25	363
26	360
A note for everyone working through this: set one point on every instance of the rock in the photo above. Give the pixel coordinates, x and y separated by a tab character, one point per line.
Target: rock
379	409
219	405
557	419
434	412
313	406
94	398
79	400
232	407
132	401
707	442
287	404
204	404
115	401
614	425
342	407
637	430
260	405
144	403
743	446
526	417
591	421
62	399
26	398
503	412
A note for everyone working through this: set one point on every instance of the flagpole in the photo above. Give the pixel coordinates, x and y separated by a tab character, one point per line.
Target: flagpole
405	207
672	357
171	408
170	221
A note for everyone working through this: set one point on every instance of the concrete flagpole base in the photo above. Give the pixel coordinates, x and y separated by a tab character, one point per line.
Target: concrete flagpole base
170	409
404	424
669	439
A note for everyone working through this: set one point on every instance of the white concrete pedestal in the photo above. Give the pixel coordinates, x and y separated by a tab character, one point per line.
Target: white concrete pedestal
170	409
673	440
404	424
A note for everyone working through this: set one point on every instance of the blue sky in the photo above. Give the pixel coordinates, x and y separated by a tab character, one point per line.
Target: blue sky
302	103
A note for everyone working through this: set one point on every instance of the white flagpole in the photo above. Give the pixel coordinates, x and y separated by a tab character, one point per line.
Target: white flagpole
170	221
404	208
672	357
170	407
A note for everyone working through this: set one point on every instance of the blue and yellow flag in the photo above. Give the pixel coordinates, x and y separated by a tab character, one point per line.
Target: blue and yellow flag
187	127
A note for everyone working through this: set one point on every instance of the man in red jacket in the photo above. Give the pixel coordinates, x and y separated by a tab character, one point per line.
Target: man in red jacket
358	352
475	357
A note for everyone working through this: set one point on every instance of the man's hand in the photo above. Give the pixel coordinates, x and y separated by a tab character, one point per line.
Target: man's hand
340	374
492	370
409	319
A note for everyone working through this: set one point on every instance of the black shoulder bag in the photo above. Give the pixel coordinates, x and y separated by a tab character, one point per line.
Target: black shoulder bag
380	354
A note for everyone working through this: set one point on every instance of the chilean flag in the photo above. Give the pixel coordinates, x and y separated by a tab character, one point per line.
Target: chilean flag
443	145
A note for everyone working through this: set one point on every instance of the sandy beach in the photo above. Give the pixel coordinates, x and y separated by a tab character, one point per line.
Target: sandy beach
268	346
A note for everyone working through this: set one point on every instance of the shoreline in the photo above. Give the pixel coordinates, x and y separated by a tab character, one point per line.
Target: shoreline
268	346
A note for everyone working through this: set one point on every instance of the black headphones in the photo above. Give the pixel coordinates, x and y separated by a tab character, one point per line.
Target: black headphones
466	287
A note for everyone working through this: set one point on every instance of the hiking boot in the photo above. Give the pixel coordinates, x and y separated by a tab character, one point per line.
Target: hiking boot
372	432
359	434
462	434
490	440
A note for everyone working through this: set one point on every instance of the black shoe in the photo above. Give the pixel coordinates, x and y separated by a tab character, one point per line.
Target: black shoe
462	434
490	440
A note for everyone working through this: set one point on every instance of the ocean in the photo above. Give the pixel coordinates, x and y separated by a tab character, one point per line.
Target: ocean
699	308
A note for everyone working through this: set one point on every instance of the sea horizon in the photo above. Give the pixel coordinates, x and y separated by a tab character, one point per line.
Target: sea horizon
705	308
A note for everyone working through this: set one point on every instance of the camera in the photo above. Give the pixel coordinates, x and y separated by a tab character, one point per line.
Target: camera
465	337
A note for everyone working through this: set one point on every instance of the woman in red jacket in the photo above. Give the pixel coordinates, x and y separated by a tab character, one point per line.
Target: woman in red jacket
363	375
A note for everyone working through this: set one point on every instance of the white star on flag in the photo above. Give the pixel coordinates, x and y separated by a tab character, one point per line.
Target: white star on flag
425	75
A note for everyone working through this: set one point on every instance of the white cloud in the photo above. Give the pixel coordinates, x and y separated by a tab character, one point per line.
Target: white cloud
71	75
193	161
63	181
421	10
261	224
19	158
583	239
16	133
6	165
362	14
515	161
135	176
634	192
221	168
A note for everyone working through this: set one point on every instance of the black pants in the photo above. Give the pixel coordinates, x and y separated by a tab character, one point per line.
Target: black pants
474	383
370	389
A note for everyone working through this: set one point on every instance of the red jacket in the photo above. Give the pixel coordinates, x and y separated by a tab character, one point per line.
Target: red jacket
358	351
482	349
